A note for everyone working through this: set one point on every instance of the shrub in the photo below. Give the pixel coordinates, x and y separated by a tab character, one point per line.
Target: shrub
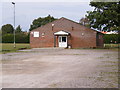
19	38
8	38
111	38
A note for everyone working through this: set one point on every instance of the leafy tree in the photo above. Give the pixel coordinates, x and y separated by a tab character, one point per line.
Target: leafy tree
105	15
8	28
84	21
18	29
8	36
111	38
41	21
0	35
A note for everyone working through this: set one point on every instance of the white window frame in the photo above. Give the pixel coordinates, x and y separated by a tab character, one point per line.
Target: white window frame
36	34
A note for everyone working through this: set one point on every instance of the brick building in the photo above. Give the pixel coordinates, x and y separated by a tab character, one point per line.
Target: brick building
65	33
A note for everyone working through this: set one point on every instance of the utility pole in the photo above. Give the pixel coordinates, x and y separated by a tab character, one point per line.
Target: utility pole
14	25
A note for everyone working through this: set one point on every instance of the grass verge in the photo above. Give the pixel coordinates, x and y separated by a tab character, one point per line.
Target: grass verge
9	47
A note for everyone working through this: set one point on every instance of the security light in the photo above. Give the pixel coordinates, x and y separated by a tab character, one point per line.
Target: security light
52	24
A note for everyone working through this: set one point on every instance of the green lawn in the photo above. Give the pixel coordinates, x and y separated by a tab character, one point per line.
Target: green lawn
9	47
112	45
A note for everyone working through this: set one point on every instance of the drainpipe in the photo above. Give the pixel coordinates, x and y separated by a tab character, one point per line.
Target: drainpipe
54	41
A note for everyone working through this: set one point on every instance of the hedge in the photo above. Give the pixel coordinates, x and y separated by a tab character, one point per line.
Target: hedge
19	38
111	38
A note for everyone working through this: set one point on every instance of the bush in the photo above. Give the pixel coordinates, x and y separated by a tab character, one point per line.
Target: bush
111	38
22	38
19	38
8	38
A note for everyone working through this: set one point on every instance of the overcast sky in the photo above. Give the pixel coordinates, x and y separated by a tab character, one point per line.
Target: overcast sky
27	11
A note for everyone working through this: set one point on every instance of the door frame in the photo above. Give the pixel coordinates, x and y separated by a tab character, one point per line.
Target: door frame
61	41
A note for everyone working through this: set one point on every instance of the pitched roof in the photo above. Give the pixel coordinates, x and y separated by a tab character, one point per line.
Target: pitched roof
78	24
68	20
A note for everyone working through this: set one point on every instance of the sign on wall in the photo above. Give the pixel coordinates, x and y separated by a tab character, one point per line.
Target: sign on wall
36	34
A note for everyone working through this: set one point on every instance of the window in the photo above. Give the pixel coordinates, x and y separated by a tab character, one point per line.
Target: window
36	34
60	39
63	39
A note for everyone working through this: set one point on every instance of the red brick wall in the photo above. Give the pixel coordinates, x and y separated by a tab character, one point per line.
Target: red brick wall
99	40
76	39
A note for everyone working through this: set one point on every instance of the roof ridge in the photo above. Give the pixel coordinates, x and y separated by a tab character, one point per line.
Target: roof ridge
69	20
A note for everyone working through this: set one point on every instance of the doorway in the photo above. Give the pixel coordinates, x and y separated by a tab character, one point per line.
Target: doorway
62	41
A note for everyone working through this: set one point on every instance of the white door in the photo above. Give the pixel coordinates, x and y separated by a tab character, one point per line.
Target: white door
62	41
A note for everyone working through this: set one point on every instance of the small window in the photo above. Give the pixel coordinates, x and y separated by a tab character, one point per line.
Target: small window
60	39
63	39
36	34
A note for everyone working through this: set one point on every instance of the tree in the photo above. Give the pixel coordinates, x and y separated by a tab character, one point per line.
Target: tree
84	21
0	36
8	36
104	16
8	28
111	38
18	29
41	21
20	38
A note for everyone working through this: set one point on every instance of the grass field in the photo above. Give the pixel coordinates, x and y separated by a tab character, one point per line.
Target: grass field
9	47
